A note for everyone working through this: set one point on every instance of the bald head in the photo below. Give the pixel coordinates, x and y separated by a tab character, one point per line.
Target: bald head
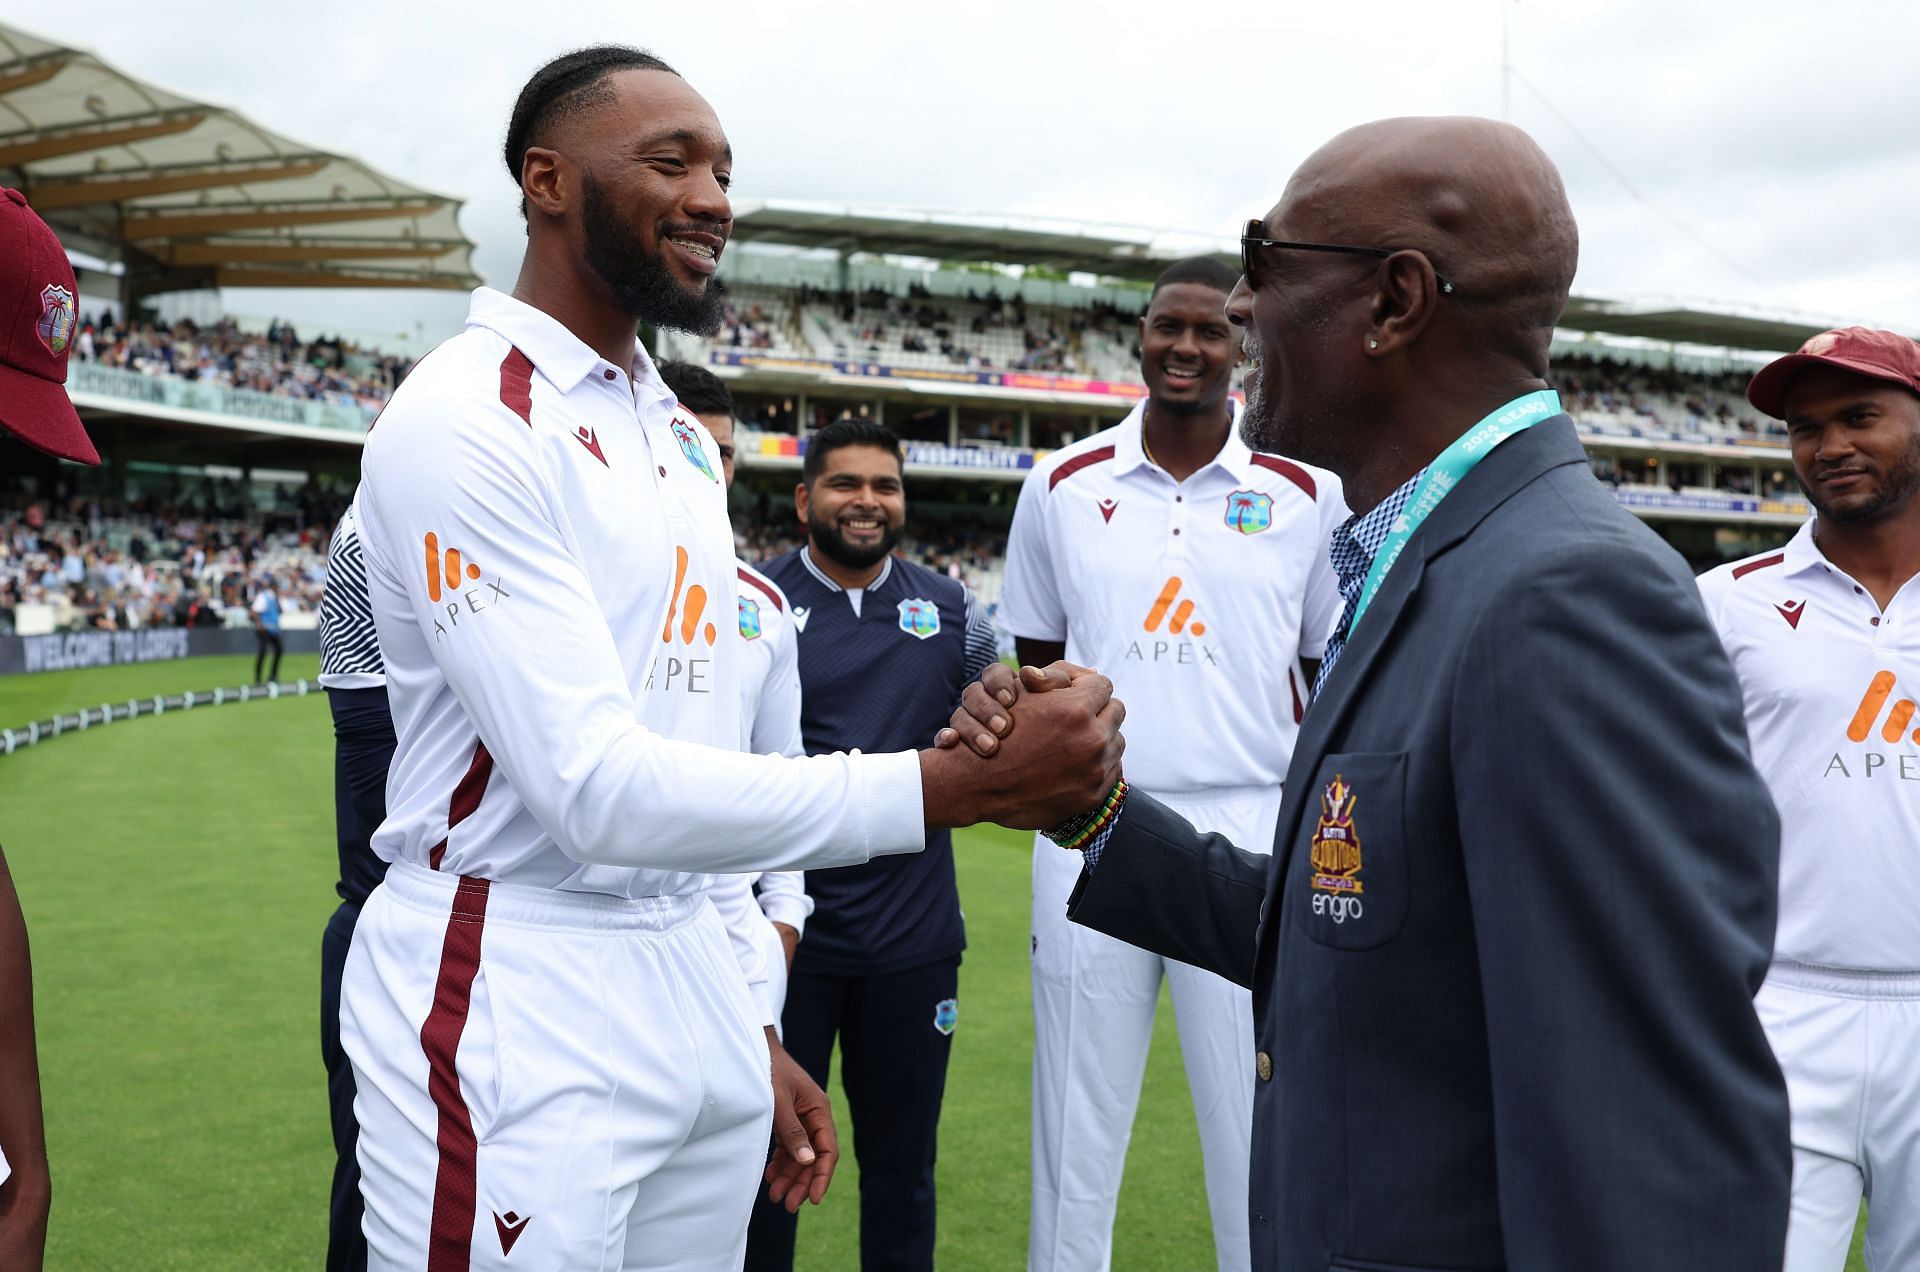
1477	196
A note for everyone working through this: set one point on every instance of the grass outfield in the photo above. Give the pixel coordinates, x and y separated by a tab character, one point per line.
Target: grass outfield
177	872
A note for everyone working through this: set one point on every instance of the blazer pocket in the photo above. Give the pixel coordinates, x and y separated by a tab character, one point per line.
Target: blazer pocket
1350	866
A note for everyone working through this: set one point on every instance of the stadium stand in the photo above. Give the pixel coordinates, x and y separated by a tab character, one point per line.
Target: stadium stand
275	362
94	566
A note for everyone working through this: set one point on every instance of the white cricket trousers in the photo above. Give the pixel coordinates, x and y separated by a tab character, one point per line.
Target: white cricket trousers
574	1080
1093	1008
1849	1044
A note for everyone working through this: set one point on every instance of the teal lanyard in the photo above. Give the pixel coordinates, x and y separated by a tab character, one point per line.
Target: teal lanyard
1445	472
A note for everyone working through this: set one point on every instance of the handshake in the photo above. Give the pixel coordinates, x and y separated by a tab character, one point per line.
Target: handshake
1026	750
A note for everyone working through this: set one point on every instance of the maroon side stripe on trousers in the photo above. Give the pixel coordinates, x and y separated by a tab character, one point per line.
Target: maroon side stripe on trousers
455	1182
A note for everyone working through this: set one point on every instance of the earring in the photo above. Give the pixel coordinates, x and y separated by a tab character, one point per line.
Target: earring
1373	344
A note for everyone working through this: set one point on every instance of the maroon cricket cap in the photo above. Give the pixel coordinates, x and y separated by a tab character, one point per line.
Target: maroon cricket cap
39	317
1879	355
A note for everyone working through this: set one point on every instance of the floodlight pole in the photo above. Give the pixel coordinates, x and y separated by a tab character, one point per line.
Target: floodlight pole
1506	65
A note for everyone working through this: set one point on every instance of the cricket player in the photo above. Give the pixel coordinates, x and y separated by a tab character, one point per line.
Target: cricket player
773	905
1825	638
1194	572
557	1054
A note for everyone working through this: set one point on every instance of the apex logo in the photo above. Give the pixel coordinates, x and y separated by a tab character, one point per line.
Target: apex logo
448	567
1176	613
685	667
1878	691
1791	611
1107	507
447	580
1181	614
688	606
509	1226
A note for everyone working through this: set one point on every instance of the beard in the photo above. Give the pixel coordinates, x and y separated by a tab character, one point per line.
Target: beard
642	284
1901	483
828	539
1259	425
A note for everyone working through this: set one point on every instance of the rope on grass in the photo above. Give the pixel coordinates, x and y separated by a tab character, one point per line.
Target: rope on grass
37	731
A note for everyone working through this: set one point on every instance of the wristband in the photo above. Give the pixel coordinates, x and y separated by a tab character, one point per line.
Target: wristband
1077	832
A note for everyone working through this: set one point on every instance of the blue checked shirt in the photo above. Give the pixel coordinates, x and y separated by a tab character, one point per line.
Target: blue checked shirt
1351	553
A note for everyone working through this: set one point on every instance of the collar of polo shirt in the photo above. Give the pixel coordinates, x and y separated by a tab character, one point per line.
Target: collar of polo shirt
559	355
1130	453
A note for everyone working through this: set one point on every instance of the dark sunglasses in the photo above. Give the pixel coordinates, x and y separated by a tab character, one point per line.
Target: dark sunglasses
1254	237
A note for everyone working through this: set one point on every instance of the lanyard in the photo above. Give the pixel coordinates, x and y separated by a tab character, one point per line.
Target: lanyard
1445	472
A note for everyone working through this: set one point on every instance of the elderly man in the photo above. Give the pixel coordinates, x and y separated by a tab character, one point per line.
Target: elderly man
1524	882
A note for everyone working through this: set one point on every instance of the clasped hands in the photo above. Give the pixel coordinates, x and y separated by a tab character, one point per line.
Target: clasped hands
1027	750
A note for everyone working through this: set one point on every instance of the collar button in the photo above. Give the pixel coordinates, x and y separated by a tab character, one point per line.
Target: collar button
611	374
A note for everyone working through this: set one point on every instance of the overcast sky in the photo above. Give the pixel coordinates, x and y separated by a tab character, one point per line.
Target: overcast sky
1754	152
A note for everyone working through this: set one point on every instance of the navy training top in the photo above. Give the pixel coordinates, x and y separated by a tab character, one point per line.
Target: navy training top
884	679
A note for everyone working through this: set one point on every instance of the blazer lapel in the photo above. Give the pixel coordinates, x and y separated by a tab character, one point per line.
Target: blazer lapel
1514	464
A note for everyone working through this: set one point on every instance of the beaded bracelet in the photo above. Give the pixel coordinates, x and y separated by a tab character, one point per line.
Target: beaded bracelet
1077	832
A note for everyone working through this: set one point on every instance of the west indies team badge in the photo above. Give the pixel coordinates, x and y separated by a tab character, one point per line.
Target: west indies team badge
58	317
690	446
919	617
946	1014
1336	842
1249	511
750	618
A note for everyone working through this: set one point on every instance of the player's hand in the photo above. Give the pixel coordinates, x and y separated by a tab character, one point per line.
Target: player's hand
24	1202
805	1146
789	940
1059	761
987	705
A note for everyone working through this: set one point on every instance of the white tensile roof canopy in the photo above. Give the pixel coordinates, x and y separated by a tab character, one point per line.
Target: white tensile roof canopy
188	195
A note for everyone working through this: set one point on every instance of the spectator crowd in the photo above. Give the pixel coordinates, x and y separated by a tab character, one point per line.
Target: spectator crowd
279	363
107	566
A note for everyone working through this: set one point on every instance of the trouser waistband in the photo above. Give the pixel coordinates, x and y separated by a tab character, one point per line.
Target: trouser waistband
542	907
1844	982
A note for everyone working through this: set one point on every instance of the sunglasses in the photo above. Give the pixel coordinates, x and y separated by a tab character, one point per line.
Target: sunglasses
1254	237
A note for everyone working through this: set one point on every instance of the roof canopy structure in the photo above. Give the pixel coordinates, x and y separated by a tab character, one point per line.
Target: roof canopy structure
190	195
1111	251
1133	252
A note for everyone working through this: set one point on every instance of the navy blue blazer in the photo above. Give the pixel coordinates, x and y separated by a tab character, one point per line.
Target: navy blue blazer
1503	955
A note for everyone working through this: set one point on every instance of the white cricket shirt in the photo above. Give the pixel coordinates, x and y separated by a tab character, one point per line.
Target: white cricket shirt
770	719
1195	598
1830	683
551	570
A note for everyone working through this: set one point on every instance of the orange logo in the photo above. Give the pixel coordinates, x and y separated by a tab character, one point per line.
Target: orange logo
448	567
1878	691
687	606
1180	620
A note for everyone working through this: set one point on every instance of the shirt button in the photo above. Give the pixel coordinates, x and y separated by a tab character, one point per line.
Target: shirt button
663	470
1263	1065
611	374
1875	620
1176	529
1858	590
1179	499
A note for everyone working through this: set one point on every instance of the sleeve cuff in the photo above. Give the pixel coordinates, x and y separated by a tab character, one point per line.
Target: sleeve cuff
763	1003
789	908
896	806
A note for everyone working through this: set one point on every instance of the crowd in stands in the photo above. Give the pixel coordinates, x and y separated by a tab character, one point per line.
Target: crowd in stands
279	362
1608	395
107	566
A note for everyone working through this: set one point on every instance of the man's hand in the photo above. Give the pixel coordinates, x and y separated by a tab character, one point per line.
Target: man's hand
1060	760
805	1145
986	706
789	940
